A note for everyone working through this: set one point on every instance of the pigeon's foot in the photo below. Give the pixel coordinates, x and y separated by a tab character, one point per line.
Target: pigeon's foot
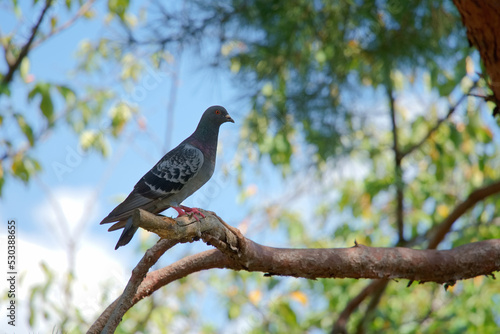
185	210
193	212
179	210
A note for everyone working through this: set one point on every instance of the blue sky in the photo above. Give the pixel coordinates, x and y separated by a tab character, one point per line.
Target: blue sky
197	90
91	185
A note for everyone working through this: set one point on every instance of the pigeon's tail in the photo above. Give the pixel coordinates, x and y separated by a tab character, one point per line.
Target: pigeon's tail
122	215
127	234
126	208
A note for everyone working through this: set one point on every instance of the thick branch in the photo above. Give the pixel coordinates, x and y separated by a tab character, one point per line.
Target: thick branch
357	262
236	252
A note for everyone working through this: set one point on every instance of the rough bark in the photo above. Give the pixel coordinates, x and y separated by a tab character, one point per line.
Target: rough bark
236	252
440	266
482	20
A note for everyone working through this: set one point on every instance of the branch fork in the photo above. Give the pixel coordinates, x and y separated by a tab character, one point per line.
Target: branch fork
236	252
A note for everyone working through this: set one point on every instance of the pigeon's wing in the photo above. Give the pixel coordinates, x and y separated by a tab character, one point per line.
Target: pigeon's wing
167	177
171	173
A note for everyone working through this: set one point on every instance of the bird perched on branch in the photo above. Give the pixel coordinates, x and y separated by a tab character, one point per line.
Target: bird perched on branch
175	177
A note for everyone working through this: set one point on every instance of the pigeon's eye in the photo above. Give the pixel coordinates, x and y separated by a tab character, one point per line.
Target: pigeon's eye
217	112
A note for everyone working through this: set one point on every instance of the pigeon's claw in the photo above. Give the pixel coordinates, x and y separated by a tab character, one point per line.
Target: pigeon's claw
179	210
193	212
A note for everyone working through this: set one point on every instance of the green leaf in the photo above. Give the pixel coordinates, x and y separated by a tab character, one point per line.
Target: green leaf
91	139
23	167
455	136
233	311
446	88
68	94
287	314
46	105
120	115
33	309
25	128
19	169
24	68
4	88
118	7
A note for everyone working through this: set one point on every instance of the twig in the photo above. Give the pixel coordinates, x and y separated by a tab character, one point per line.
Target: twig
172	99
370	310
340	325
25	49
477	195
398	177
436	126
82	11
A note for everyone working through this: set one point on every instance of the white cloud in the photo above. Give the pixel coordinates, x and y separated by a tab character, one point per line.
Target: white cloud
98	271
95	273
65	210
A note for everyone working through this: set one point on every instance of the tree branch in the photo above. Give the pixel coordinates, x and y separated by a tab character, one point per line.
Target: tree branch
117	309
477	195
25	49
84	8
436	237
436	126
339	327
481	20
236	252
398	171
376	296
356	262
375	287
156	279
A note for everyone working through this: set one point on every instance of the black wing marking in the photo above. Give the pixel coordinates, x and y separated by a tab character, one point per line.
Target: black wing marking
171	173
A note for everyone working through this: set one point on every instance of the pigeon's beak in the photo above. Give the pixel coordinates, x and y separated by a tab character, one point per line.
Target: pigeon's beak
229	119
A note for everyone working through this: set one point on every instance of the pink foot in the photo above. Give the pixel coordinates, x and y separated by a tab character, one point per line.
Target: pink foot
179	210
193	211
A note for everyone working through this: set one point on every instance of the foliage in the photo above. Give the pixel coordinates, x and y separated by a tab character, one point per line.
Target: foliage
304	64
328	76
331	85
95	109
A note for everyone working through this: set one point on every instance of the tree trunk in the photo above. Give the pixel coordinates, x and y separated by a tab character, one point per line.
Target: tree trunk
482	20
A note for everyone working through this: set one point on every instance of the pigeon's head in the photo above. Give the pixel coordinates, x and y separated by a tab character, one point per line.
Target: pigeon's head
216	115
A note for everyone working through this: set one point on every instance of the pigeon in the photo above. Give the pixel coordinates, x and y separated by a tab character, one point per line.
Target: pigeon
177	175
